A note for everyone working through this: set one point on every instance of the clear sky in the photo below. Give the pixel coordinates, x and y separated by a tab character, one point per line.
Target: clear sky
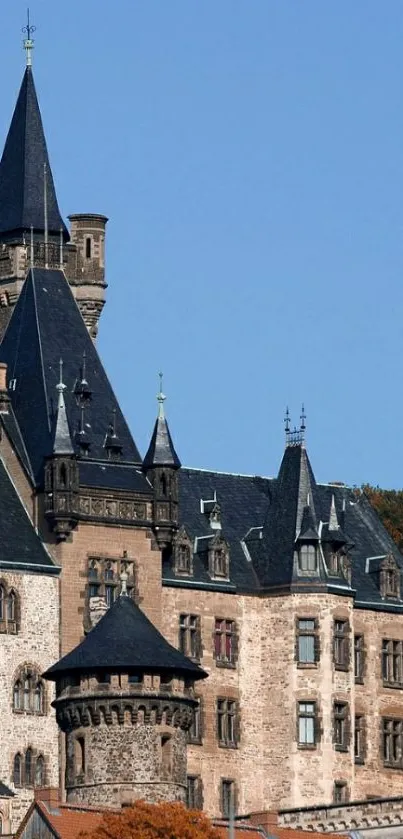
249	155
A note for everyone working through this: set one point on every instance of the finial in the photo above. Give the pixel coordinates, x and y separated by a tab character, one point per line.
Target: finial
302	427
28	41
123	584
61	248
287	422
161	399
61	387
84	370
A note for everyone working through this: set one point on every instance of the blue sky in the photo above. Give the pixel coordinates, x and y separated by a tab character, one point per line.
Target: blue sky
249	156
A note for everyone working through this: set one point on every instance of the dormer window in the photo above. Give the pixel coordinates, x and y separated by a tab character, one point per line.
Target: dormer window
307	558
183	554
218	556
389	578
215	517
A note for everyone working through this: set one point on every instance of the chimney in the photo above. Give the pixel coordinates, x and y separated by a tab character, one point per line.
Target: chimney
265	819
49	796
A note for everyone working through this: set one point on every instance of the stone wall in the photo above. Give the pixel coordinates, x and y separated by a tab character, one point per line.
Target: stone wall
37	645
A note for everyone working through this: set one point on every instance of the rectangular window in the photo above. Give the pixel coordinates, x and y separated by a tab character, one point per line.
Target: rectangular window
359	658
194	796
307	558
340	792
307	724
392	662
227	722
228	803
225	641
340	726
392	736
189	636
341	644
307	641
195	733
359	739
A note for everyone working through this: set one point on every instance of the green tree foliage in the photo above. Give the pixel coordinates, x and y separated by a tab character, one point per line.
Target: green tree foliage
389	505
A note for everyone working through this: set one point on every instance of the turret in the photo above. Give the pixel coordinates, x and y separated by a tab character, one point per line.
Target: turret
161	465
125	701
85	267
61	473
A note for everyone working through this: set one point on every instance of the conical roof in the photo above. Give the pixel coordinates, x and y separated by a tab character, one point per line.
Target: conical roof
125	640
161	451
62	439
22	171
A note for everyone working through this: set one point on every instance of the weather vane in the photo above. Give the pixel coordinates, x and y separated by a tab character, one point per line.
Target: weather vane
28	30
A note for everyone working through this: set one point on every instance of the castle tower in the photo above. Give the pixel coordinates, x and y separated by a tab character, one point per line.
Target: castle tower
161	465
85	268
125	700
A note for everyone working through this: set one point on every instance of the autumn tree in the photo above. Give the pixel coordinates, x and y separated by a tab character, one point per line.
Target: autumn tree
154	821
389	505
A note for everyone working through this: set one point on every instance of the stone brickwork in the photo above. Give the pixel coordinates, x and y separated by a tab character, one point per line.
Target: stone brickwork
35	645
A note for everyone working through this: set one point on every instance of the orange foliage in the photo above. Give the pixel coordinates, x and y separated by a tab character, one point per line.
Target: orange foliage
154	821
389	505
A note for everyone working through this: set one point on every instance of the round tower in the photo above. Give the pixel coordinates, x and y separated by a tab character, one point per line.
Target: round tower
85	265
125	701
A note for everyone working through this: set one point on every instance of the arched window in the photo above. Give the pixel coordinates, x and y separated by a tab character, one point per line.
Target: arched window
17	696
38	698
40	771
28	768
11	610
2	598
79	755
17	771
63	475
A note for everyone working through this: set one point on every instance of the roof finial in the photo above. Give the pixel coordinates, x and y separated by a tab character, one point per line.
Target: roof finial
302	427
161	399
61	387
123	584
287	423
28	41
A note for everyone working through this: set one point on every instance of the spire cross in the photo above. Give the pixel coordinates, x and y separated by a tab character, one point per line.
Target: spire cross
161	399
28	41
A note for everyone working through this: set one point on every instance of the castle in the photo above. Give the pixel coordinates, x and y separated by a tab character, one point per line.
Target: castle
168	633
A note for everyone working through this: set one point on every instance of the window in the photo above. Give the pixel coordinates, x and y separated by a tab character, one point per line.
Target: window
93	578
88	247
79	756
340	726
17	771
218	557
8	609
307	558
194	796
228	798
104	577
341	644
166	757
40	771
29	693
359	658
195	733
307	724
104	678
392	662
389	577
227	722
28	768
225	641
135	678
340	792
392	735
359	739
189	636
183	553
307	641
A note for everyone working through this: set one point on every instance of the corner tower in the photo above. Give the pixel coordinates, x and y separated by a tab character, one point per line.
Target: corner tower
125	700
32	230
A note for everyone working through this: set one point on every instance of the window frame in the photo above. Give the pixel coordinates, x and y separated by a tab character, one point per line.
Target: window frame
190	636
359	739
392	742
227	716
195	732
304	716
392	663
305	632
197	792
230	785
341	644
225	637
359	658
341	725
340	792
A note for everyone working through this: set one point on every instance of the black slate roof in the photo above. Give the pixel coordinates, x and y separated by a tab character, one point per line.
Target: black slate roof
262	519
5	792
125	640
161	451
12	428
22	171
47	326
20	543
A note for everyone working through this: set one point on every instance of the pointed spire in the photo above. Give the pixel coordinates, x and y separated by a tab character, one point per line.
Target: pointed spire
161	451
333	520
112	443
22	193
62	441
28	42
81	435
82	389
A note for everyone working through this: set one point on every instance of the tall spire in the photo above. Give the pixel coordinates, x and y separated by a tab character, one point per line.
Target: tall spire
161	451
62	440
22	198
28	41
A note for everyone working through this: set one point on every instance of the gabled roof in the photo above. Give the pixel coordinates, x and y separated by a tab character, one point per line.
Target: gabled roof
22	178
21	547
125	640
47	326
